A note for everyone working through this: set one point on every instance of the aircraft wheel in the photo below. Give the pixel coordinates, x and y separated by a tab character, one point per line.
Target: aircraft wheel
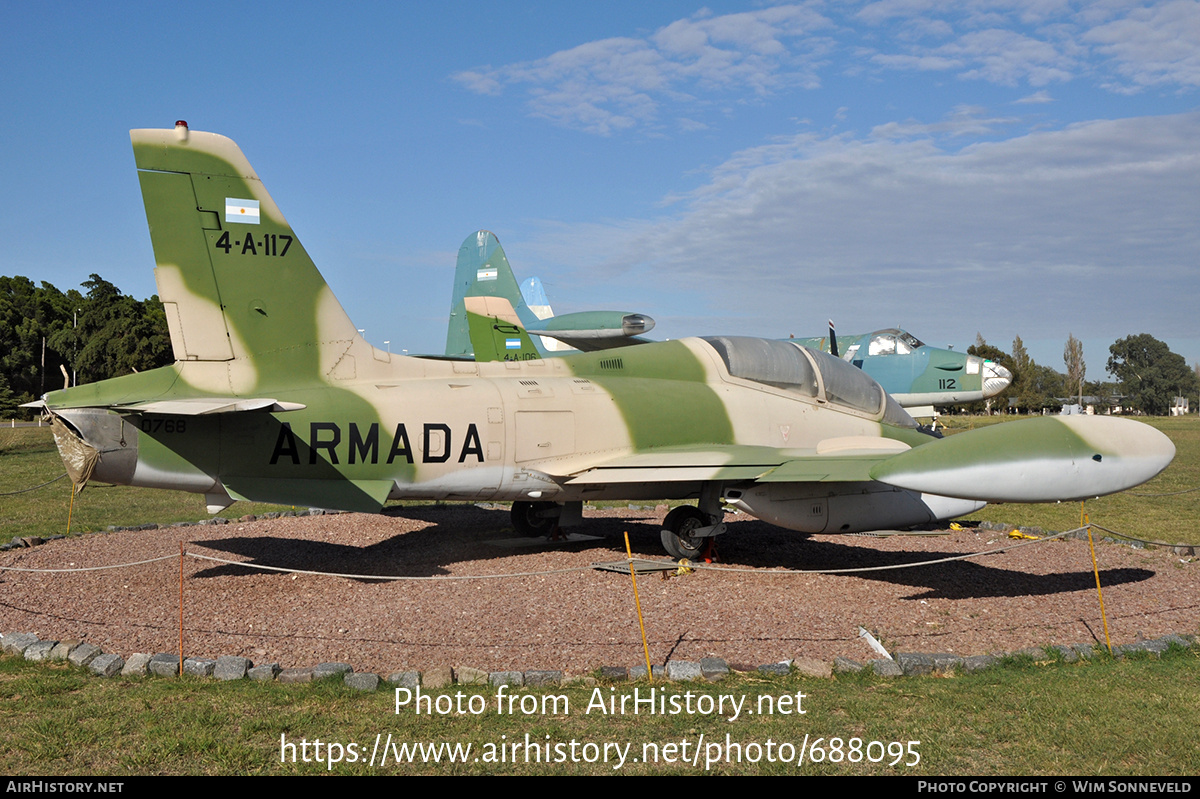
677	536
528	518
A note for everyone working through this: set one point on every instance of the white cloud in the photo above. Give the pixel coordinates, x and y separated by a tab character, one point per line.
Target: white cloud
995	55
1044	41
1094	224
961	121
1154	46
616	83
686	67
1008	58
1037	98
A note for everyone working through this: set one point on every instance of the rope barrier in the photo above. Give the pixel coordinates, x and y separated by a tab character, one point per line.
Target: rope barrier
1131	538
33	488
1168	494
590	567
386	576
87	568
706	567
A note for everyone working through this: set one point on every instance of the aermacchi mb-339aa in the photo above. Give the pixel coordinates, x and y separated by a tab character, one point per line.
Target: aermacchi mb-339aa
274	397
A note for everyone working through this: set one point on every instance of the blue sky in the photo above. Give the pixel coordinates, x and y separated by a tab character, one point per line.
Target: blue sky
1021	168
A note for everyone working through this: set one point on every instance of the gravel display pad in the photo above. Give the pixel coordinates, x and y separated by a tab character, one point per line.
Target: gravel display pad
577	621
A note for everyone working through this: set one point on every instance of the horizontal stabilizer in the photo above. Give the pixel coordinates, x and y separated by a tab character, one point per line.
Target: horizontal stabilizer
1048	459
203	406
190	406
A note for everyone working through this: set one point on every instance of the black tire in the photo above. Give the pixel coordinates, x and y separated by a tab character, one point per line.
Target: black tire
528	518
677	536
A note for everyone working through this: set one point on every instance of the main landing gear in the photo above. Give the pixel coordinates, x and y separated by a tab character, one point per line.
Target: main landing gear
545	519
535	518
689	532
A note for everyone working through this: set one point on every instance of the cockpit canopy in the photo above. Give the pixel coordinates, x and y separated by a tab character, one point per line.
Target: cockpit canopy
893	342
792	367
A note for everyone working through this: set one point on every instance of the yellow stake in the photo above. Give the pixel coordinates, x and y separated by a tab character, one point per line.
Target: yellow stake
1096	571
70	508
638	603
180	608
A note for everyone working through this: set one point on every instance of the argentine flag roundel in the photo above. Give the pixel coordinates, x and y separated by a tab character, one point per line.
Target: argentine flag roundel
244	211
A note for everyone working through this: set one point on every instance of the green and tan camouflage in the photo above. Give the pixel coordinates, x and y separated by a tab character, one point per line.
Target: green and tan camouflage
275	397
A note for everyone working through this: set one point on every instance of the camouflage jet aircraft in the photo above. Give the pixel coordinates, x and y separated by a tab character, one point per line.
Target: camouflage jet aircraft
274	397
916	375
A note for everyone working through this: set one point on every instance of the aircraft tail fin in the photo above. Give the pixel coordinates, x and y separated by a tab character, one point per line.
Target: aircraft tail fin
482	271
538	304
234	280
535	297
496	332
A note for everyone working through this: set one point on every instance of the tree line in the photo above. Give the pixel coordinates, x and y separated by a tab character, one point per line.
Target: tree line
90	335
1147	377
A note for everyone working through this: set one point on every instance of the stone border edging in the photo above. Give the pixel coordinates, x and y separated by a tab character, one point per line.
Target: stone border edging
234	667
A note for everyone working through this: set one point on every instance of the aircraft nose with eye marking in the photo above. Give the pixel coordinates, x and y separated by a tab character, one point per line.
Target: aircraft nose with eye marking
995	378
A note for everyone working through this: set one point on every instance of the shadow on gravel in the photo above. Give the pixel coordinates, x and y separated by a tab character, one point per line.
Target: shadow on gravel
761	545
455	534
460	533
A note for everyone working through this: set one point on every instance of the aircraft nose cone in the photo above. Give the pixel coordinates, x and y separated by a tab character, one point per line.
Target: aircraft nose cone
995	378
635	324
1136	449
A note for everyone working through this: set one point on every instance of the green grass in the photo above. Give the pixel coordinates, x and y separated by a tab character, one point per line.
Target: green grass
1102	717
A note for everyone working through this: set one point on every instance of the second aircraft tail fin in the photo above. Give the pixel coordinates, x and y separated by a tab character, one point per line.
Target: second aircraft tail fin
482	270
496	332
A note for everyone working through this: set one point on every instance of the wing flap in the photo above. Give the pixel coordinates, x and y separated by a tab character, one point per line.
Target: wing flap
739	464
824	469
667	474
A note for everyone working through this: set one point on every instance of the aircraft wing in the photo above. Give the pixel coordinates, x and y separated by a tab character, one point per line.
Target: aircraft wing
848	459
1037	460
